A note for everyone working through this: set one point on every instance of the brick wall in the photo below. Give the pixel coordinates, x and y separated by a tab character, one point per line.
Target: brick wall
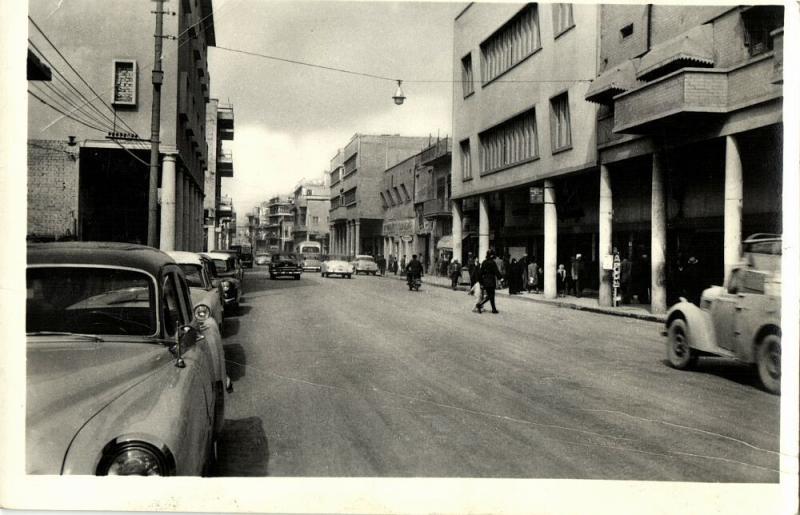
52	188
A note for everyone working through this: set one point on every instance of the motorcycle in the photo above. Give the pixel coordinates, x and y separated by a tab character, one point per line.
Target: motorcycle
414	282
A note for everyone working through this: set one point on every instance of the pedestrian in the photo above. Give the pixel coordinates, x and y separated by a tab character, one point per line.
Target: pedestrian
514	277
501	267
572	271
402	264
533	276
693	282
561	280
625	268
413	270
490	275
455	273
472	264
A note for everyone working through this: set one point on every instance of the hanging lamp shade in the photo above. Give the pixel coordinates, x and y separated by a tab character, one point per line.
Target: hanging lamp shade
399	97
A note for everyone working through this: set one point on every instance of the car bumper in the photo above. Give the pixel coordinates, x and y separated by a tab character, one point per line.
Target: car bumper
285	272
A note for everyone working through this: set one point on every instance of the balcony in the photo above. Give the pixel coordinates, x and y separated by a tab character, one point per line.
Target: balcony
679	98
777	45
435	152
225	121
436	207
339	213
225	164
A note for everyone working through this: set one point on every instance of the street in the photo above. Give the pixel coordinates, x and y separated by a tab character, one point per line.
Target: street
360	377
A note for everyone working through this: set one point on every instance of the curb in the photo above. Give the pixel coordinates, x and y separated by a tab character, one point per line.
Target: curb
647	317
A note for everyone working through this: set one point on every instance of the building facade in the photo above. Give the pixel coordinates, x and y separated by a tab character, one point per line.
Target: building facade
312	206
524	159
356	178
399	229
689	138
106	187
278	224
219	129
432	192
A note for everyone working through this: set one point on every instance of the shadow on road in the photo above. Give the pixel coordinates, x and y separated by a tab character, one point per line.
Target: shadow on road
230	327
235	360
734	371
243	449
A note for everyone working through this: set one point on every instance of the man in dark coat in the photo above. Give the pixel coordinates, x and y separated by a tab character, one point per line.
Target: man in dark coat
490	275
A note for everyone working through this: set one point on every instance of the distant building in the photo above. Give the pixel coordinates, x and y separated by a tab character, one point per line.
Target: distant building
432	191
399	220
312	206
89	179
356	215
279	224
219	128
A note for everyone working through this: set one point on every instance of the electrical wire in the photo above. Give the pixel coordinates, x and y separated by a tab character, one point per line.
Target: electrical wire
59	104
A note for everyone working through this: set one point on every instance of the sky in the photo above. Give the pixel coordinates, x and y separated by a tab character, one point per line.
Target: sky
291	119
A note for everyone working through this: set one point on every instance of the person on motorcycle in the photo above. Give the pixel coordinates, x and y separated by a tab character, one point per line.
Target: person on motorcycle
413	270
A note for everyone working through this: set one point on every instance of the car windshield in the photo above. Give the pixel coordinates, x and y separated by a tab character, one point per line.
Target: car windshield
194	275
285	257
366	258
90	300
221	265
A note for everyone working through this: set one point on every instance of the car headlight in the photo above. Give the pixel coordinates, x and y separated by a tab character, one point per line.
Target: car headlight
226	286
202	312
134	459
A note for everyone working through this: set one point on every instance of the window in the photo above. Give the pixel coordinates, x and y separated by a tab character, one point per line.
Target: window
511	142
405	193
397	195
626	31
314	219
559	122
466	75
391	198
124	82
759	21
350	165
466	161
350	197
512	43
172	308
562	18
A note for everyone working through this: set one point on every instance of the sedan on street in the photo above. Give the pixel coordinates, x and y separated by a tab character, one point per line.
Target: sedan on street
120	373
365	265
227	275
336	265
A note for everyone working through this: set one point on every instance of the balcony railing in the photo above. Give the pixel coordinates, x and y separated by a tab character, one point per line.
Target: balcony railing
225	164
436	207
439	149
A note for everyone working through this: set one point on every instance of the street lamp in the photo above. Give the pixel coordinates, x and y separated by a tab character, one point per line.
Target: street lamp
399	97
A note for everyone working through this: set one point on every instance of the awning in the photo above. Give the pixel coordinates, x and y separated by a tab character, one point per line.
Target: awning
692	48
612	82
445	242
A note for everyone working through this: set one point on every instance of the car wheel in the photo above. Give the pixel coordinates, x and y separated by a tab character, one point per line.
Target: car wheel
768	362
297	278
348	276
679	354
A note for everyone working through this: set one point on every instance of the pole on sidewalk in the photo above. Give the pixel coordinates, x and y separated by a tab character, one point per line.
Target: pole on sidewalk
155	124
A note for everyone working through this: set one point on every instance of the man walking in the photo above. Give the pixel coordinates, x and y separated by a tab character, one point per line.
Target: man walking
455	273
490	274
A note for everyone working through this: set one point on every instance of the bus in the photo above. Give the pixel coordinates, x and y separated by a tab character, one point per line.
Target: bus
310	255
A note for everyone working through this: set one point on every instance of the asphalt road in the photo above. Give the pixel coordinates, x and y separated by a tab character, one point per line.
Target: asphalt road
361	377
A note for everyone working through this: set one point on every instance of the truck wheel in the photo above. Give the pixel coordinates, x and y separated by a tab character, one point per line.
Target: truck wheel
679	354
768	362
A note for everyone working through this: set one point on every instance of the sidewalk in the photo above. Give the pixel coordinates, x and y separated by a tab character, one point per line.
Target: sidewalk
586	303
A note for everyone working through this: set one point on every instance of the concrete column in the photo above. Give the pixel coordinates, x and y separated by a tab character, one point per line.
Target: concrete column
357	246
348	238
605	221
212	239
185	221
167	202
188	244
658	237
483	227
458	238
180	208
733	205
550	240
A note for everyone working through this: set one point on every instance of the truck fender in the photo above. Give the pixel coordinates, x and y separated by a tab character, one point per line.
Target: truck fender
699	327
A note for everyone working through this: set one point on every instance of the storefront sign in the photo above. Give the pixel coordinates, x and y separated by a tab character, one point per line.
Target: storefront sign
398	227
536	195
616	271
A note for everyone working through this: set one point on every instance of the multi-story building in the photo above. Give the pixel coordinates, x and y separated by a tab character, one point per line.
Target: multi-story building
524	174
219	129
279	223
312	206
689	135
399	221
226	221
432	190
356	178
105	188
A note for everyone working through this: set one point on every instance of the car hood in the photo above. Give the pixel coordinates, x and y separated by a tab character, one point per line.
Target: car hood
69	381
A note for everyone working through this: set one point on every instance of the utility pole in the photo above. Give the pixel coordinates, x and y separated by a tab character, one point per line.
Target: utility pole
158	79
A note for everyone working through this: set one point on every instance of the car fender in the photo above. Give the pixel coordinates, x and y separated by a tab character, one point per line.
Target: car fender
172	409
699	327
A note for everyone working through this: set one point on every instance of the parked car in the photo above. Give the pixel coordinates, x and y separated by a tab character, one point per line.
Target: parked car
262	259
226	273
283	265
120	373
245	253
238	269
365	265
740	320
336	265
311	264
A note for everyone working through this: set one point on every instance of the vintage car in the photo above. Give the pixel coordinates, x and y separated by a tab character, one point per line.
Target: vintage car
285	265
336	265
237	270
120	374
365	265
226	273
311	264
740	320
262	259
